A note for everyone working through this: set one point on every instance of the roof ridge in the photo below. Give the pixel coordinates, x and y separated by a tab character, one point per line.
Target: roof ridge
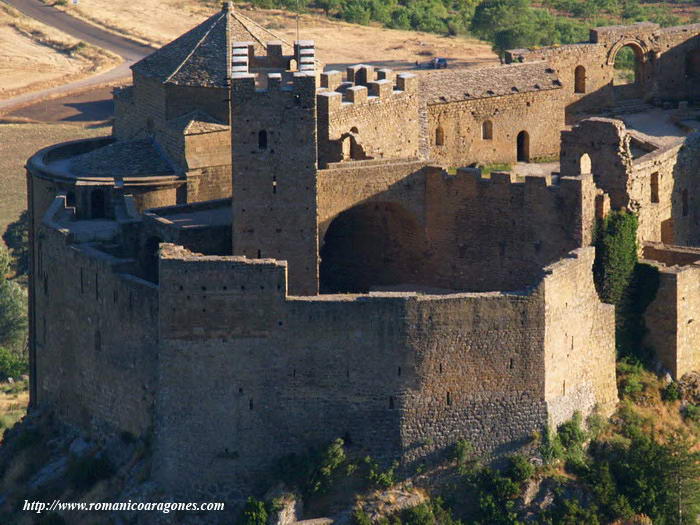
239	16
199	43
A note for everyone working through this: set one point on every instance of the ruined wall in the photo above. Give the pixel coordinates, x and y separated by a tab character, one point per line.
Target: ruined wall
676	50
686	205
373	120
672	330
274	174
497	233
91	374
579	341
539	114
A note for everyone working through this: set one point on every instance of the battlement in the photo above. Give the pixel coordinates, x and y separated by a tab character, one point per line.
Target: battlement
364	86
471	177
244	59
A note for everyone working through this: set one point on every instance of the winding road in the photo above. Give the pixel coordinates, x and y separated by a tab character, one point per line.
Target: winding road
129	50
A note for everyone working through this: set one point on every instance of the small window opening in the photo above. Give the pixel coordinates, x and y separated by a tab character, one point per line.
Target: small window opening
391	401
70	199
259	254
487	130
563	388
655	187
250	404
449	399
510	365
580	80
262	139
399	371
439	137
274	184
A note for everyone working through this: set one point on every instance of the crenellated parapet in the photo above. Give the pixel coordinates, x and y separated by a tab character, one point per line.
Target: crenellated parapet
363	86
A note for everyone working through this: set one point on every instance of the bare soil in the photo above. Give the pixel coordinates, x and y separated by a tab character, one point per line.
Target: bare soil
35	56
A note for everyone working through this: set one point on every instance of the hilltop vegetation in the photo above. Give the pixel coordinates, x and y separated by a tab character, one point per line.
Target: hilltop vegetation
504	23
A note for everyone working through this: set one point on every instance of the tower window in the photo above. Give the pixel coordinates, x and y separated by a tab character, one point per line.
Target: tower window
655	187
487	130
439	137
262	139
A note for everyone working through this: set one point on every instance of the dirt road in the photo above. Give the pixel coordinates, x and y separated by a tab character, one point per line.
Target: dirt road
129	50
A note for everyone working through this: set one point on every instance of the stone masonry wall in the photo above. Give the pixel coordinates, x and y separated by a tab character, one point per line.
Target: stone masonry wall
90	373
498	233
274	175
579	340
398	375
673	331
540	115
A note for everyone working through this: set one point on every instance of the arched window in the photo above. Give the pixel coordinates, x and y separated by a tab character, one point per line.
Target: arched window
487	130
439	136
262	139
580	80
655	187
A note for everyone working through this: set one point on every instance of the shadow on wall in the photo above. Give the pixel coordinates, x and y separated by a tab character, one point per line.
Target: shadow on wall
369	245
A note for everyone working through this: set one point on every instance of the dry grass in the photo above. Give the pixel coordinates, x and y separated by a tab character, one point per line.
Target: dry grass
17	143
157	22
35	56
13	403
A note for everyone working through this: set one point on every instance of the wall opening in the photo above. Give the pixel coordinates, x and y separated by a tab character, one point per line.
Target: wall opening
391	402
274	184
487	130
370	246
449	399
523	145
439	136
293	64
70	199
692	64
654	186
580	79
262	139
585	164
628	65
97	204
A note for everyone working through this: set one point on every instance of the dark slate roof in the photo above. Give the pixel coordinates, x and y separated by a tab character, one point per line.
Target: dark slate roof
199	57
134	158
453	85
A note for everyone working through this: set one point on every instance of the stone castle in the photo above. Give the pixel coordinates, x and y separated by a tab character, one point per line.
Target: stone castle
264	256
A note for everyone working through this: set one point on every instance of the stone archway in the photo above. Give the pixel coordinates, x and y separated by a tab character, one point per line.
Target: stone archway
372	245
629	64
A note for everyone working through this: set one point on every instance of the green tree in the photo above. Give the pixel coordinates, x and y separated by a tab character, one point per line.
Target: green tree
13	300
16	238
254	513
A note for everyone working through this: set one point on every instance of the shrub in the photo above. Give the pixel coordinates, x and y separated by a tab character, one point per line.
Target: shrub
378	478
255	512
551	448
692	413
519	468
463	454
671	392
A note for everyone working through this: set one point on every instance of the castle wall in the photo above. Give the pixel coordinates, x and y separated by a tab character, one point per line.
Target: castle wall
675	47
381	121
92	374
274	172
180	100
348	184
398	375
497	233
579	341
673	332
541	115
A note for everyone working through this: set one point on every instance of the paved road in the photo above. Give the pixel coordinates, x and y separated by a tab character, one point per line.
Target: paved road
129	50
